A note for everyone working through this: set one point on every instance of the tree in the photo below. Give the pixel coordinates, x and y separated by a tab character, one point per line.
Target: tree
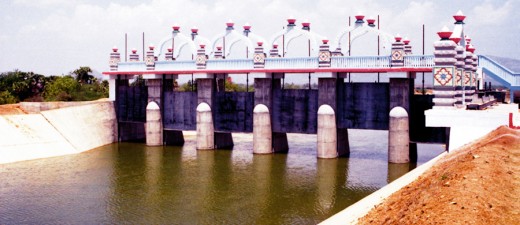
82	75
61	89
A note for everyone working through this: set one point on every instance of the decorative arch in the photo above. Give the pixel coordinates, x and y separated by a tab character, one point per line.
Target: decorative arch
360	29
232	37
290	33
182	41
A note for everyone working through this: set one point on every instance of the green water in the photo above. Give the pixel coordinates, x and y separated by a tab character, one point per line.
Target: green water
130	183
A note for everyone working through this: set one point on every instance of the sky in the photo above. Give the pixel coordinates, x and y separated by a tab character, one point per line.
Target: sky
55	37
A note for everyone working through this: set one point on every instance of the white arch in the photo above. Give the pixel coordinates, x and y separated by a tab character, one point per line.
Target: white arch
232	37
183	41
291	33
359	31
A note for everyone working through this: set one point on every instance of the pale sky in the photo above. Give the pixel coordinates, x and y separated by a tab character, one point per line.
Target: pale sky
54	37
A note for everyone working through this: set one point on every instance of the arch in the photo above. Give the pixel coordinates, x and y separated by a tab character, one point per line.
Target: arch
232	37
291	33
184	41
358	31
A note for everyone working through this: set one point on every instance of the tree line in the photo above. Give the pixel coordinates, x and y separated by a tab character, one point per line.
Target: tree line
79	85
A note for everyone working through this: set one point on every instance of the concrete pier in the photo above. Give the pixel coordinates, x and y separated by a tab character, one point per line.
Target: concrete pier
328	89
262	132
206	88
154	128
327	136
264	88
205	130
398	136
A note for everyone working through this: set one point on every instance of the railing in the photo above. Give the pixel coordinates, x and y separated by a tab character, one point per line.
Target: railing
291	63
511	78
229	64
360	62
178	65
342	62
419	61
131	66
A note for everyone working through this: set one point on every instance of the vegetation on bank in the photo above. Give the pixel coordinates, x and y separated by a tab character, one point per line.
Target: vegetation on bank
79	85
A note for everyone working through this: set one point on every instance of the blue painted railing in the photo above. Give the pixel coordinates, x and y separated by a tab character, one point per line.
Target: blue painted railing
418	61
360	62
503	75
291	63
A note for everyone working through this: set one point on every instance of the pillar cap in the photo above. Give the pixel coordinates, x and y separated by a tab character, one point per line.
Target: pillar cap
455	39
134	50
170	49
459	17
306	23
202	46
325	110
260	43
260	108
398	38
398	112
176	27
219	48
406	40
371	21
230	23
445	33
359	17
151	47
194	30
247	26
275	45
114	49
291	20
203	107
152	106
325	41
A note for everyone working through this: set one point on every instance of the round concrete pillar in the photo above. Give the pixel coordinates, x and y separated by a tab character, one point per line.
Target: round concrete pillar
205	130
153	128
262	133
327	133
398	136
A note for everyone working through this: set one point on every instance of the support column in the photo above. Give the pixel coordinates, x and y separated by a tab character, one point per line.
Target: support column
398	136
264	97
206	89
170	137
332	141
205	129
469	75
154	127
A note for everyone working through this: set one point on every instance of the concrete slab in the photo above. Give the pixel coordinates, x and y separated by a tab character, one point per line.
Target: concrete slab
469	125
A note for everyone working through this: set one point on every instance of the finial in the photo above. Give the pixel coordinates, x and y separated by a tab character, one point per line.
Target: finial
151	47
247	26
325	41
459	17
445	33
260	44
134	50
114	49
291	20
406	40
194	30
170	49
176	27
202	46
306	23
398	38
230	23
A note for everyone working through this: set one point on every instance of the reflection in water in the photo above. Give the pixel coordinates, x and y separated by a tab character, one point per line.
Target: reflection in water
132	183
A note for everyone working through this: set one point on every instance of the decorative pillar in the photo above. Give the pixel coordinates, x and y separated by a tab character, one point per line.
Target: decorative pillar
397	52
259	57
169	55
150	58
468	73
154	127
398	136
444	71
407	46
474	69
115	58
460	81
201	58
273	53
324	54
134	57
218	53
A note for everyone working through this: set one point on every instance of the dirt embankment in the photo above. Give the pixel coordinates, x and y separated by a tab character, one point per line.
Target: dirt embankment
11	109
478	184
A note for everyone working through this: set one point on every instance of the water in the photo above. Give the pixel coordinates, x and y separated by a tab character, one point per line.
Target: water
130	183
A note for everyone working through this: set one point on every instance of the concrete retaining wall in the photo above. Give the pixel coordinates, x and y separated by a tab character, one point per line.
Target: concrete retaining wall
57	132
37	107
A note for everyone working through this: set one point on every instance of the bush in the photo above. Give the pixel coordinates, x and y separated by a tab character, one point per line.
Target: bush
7	98
61	89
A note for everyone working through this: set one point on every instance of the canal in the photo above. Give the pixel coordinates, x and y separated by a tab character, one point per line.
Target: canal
130	183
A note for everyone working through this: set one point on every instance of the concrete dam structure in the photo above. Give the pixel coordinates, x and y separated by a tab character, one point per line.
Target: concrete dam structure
153	111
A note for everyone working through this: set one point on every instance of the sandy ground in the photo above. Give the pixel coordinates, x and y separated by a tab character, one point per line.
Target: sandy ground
11	109
477	184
